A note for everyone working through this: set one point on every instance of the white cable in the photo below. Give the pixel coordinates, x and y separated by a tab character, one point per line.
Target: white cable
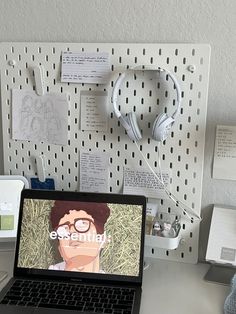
159	163
170	195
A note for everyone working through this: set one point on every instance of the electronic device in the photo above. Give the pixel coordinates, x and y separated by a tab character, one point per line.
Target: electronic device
10	191
69	254
163	122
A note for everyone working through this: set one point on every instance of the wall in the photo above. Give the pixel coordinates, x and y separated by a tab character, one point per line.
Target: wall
143	21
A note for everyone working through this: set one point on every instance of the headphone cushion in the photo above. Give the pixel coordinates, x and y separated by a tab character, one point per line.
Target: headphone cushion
161	127
134	132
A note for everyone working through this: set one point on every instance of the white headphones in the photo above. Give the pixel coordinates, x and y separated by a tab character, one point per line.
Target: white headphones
163	122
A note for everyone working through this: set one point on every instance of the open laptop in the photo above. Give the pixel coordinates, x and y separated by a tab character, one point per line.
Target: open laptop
77	252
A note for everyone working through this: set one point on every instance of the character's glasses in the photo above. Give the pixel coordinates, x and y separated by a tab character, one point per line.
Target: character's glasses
81	225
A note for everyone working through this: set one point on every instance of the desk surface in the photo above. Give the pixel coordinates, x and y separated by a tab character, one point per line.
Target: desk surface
168	287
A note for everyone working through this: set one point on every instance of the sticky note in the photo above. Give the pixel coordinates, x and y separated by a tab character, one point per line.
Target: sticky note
6	222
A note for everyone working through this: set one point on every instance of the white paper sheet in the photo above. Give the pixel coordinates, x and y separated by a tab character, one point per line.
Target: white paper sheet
221	246
39	118
225	153
94	113
94	172
85	67
145	183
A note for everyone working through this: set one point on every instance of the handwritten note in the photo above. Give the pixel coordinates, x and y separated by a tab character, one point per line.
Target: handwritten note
94	113
94	172
39	118
85	67
225	153
145	183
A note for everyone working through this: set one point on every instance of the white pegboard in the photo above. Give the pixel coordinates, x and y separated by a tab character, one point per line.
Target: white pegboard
182	153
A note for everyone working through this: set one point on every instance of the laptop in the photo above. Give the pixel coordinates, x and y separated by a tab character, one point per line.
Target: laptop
78	253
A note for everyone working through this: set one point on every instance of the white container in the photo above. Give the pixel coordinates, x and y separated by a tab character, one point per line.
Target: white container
168	243
162	242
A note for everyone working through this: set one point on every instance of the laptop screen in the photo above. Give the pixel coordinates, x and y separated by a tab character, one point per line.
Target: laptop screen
82	233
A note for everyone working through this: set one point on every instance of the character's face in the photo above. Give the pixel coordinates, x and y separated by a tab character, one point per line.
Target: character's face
82	246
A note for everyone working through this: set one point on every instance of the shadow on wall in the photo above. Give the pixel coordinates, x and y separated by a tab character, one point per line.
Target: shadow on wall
204	231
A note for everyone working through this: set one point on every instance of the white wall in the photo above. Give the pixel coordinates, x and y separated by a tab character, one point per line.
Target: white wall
150	21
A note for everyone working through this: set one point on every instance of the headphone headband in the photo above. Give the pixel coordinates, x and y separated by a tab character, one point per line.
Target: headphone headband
144	68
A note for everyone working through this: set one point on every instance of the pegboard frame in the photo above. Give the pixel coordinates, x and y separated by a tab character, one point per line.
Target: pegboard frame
182	153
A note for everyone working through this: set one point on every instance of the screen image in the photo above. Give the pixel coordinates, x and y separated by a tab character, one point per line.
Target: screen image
79	236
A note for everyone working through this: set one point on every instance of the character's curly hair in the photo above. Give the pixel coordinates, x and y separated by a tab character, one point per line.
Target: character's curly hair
99	211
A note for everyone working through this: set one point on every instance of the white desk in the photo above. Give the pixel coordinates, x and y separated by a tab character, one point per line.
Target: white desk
169	288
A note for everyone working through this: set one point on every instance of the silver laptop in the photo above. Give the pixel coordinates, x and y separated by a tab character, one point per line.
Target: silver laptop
77	252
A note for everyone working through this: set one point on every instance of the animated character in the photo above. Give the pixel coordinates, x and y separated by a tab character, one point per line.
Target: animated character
79	227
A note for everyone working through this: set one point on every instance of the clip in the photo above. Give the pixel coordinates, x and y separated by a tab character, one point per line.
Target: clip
38	76
40	164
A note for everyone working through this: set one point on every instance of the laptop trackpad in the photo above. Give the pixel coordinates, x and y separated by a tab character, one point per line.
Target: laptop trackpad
15	309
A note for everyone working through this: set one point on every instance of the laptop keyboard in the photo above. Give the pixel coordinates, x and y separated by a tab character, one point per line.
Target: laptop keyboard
87	298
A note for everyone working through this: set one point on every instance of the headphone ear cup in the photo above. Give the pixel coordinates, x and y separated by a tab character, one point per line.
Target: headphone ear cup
161	127
133	132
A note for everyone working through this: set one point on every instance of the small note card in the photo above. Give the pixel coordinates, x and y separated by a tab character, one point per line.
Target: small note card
145	183
85	67
94	172
94	113
225	153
